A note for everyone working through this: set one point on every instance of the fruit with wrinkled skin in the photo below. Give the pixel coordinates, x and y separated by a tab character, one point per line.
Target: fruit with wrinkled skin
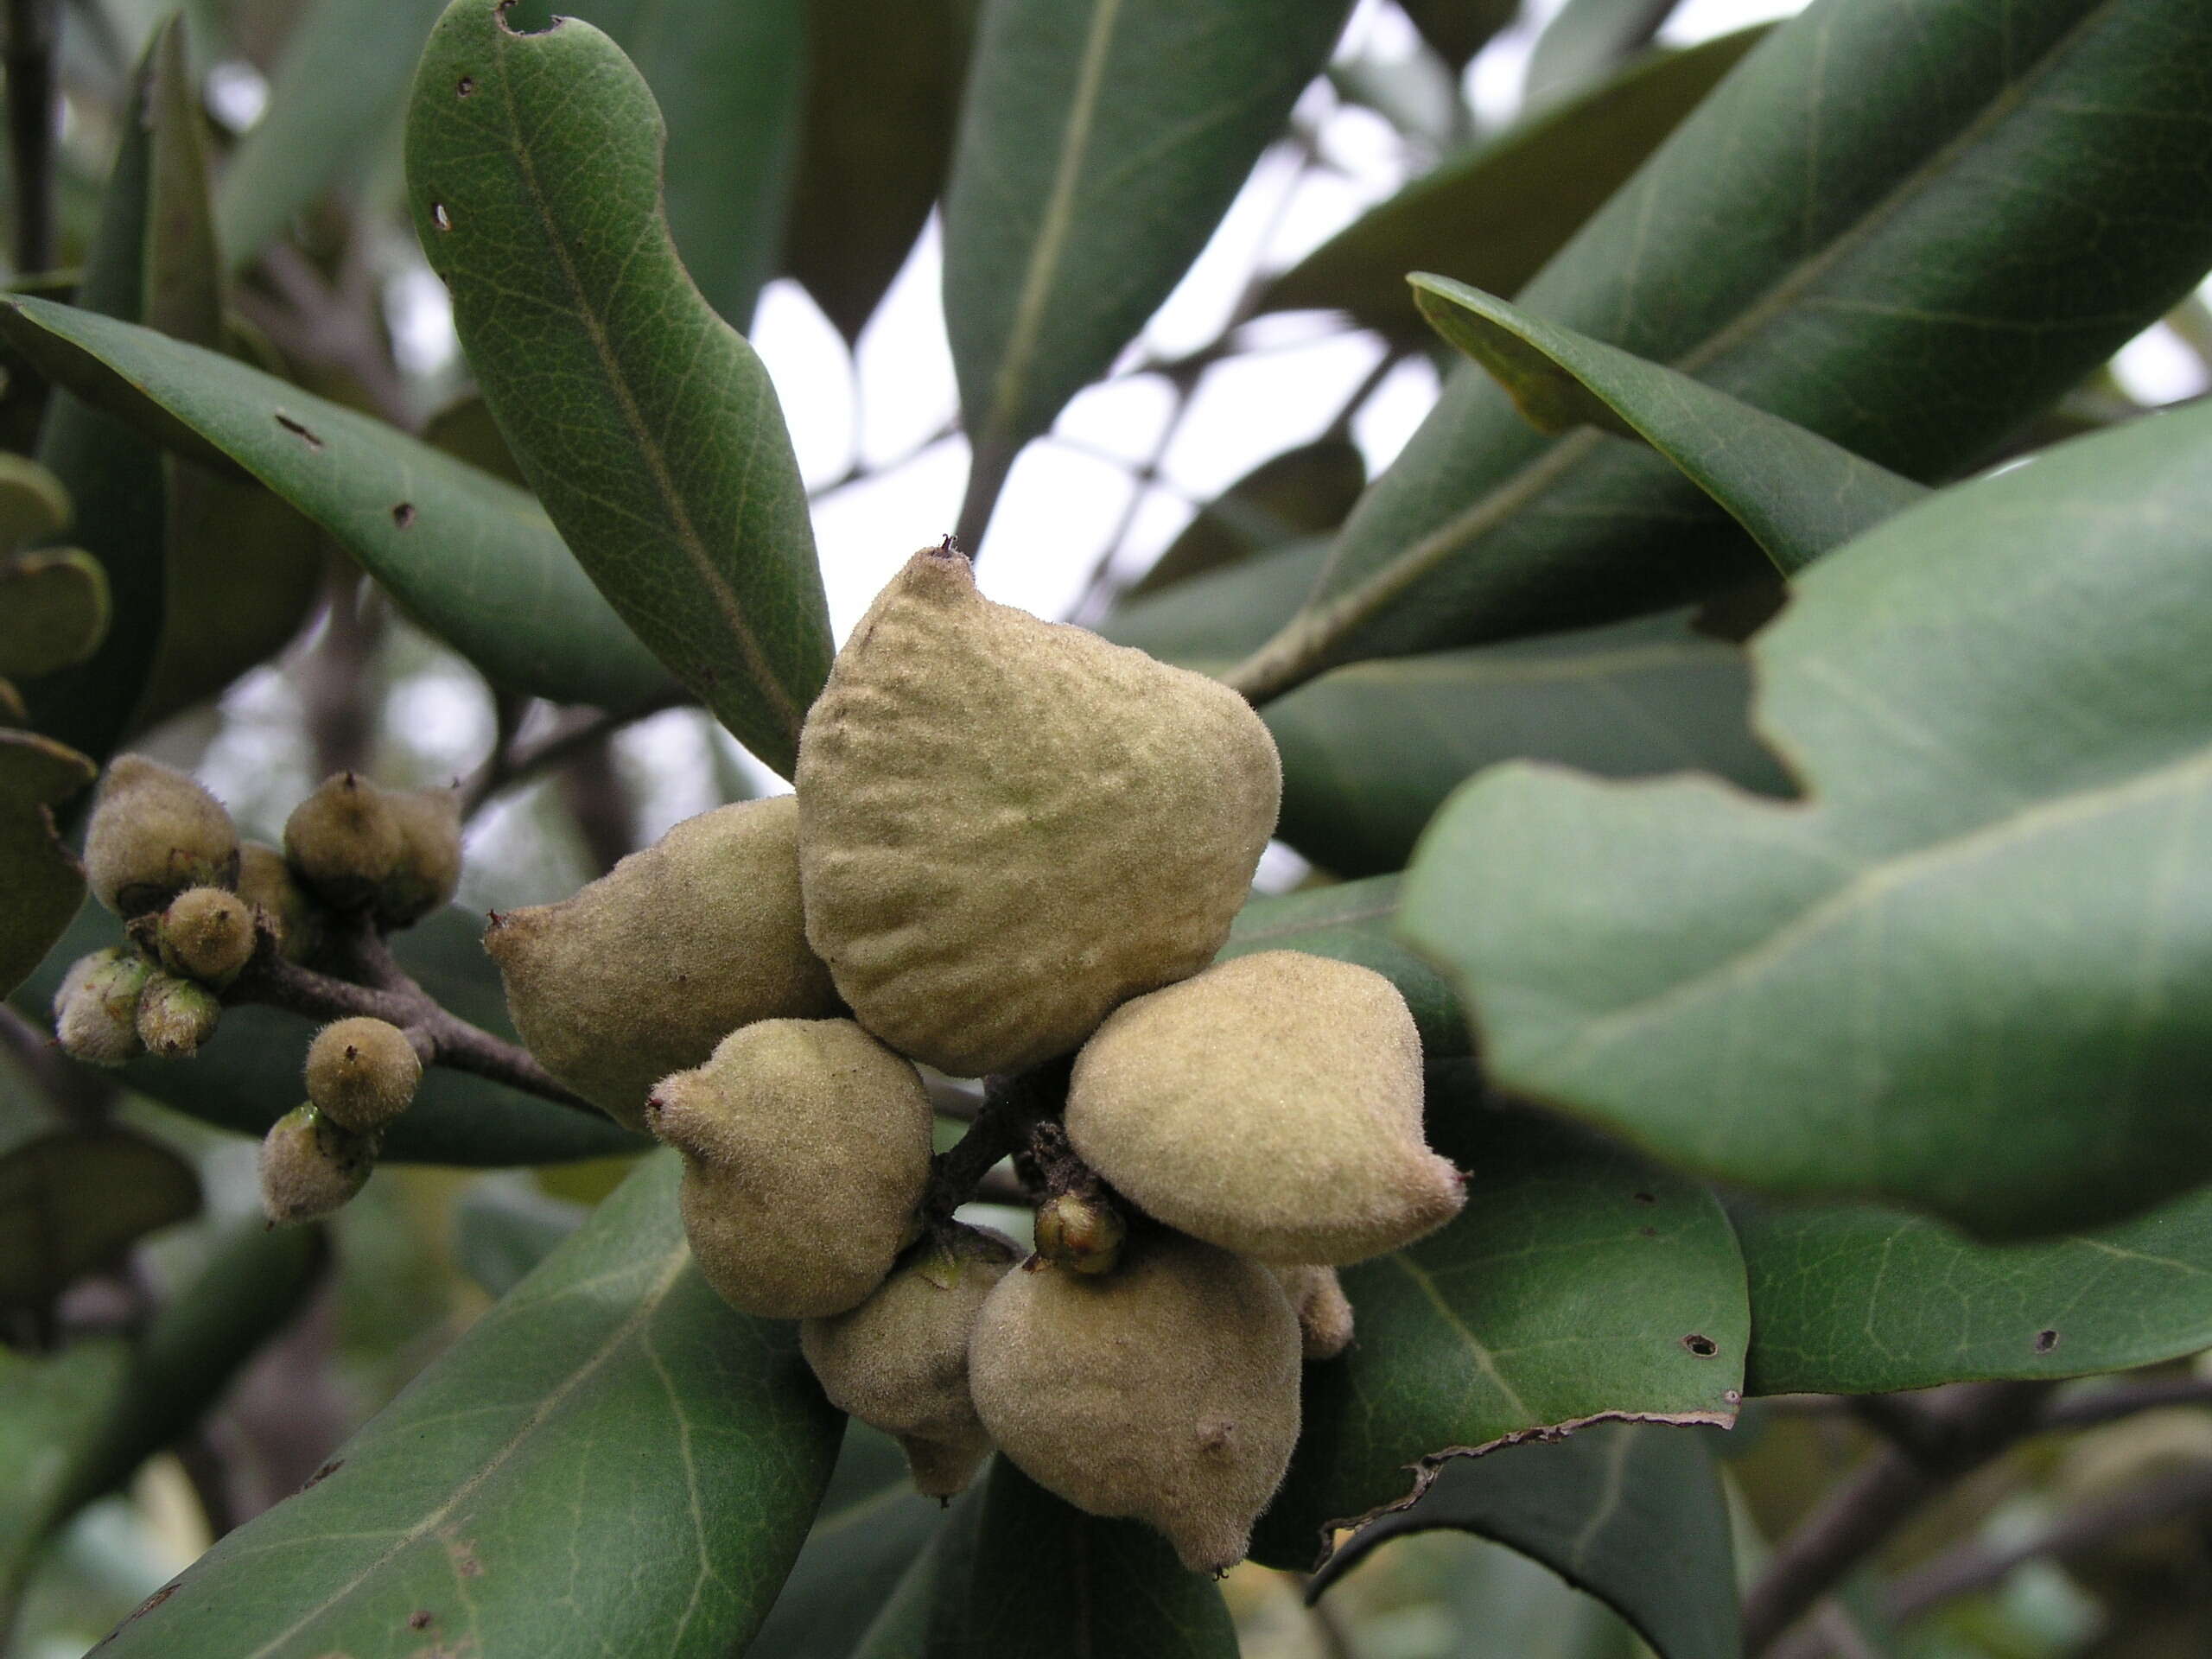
362	1073
175	1016
1084	1234
1271	1105
641	973
311	1167
96	1010
1323	1314
344	839
206	934
806	1149
266	882
428	872
1167	1390
1007	826
900	1360
154	832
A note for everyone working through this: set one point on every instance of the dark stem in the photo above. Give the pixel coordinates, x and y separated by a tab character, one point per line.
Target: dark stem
1958	1430
513	763
1013	1106
32	27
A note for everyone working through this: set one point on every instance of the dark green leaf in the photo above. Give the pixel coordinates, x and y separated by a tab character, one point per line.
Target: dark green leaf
1798	494
81	1422
41	878
1578	1286
1587	39
883	93
1369	752
1632	1513
1492	216
504	1226
611	1460
54	611
1021	1576
75	1199
1458	28
1301	492
1907	252
332	95
468	557
249	1076
1356	921
900	1627
1973	974
1099	145
643	422
1853	1300
1209	620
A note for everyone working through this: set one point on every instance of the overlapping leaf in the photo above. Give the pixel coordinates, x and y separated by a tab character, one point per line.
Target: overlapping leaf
1578	1285
73	1200
1587	37
610	1410
1098	146
1972	973
645	423
44	882
1906	250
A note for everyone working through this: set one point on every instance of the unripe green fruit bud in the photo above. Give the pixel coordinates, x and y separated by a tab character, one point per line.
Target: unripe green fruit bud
175	1016
266	882
1272	1105
900	1360
206	934
362	1073
154	832
96	1011
428	870
1084	1234
344	839
644	970
311	1167
1007	826
1167	1390
806	1147
1323	1314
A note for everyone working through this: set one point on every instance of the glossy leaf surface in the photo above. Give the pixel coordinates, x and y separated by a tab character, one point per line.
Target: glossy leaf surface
1973	972
612	1409
470	558
646	424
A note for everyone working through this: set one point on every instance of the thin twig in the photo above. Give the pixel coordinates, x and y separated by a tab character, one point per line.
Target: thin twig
511	765
33	27
1013	1106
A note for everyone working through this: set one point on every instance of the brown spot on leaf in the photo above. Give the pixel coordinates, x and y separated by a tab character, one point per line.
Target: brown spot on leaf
419	1619
298	430
1647	1198
2045	1341
325	1472
1703	1347
403	514
466	86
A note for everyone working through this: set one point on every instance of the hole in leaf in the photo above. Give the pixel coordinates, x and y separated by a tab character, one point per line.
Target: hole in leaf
2045	1341
1703	1347
403	514
439	217
294	427
466	86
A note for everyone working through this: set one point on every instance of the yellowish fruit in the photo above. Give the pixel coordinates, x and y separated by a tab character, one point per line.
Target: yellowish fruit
310	1166
154	832
96	1011
806	1149
641	973
428	871
1081	1233
900	1360
266	882
1167	1390
175	1016
1007	826
1323	1314
206	934
1272	1105
362	1073
344	839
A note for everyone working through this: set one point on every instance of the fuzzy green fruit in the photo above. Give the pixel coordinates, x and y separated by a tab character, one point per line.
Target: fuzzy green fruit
641	973
344	839
362	1073
1272	1105
1323	1314
900	1360
1007	826
206	934
1084	1234
806	1149
176	1016
428	872
1167	1390
154	832
266	882
311	1167
96	1010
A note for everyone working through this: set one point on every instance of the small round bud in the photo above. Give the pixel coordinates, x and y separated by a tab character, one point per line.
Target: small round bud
175	1016
206	934
428	869
266	882
96	1011
344	839
361	1074
310	1166
153	833
1081	1233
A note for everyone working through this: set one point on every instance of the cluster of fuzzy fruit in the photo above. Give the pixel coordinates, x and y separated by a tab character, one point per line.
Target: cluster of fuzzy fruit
199	905
1012	843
